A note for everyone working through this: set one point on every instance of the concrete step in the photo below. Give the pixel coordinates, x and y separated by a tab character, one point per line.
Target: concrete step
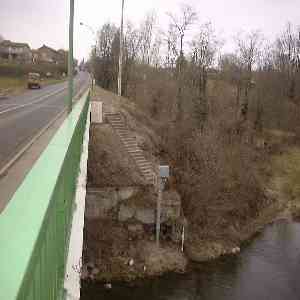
146	163
129	146
117	127
113	116
139	160
134	150
111	113
133	142
147	172
110	117
122	136
138	157
145	168
132	147
117	124
123	132
116	121
129	139
120	130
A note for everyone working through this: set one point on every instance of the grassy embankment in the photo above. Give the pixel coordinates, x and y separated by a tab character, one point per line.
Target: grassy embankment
286	179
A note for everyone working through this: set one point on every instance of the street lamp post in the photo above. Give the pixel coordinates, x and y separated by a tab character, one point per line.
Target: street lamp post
95	48
89	27
121	53
93	32
70	57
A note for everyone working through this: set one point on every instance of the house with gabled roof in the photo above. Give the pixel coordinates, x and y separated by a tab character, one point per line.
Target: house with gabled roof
47	54
14	51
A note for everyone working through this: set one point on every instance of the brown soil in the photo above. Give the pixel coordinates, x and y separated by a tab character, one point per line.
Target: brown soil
115	254
109	164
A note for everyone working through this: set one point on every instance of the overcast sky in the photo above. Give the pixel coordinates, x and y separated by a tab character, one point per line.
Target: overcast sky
39	22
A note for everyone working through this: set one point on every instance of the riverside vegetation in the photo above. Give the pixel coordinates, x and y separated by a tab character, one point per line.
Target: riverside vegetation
226	123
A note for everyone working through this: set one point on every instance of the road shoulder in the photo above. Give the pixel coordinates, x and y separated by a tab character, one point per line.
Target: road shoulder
11	180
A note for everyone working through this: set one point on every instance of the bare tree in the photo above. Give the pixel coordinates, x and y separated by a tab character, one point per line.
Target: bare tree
267	58
105	57
171	39
288	56
1	38
146	36
204	47
249	50
132	42
155	58
180	24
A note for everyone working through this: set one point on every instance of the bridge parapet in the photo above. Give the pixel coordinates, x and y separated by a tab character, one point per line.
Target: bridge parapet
35	226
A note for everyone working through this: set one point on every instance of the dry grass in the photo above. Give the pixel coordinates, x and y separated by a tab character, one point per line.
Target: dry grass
287	168
12	83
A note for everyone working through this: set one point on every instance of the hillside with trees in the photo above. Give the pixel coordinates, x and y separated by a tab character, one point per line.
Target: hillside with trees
221	117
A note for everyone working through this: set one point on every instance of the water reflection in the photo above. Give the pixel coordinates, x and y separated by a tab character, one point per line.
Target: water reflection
269	268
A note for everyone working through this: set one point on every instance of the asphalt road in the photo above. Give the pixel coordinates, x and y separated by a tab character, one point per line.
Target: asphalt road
23	116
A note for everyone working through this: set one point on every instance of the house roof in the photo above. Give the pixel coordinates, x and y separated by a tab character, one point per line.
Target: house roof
48	48
8	43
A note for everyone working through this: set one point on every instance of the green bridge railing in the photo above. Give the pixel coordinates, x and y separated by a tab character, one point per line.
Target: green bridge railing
35	226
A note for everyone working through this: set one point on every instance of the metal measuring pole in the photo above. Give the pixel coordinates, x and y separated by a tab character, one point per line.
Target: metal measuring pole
164	174
158	210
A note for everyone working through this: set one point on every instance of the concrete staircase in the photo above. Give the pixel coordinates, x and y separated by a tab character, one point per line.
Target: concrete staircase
130	144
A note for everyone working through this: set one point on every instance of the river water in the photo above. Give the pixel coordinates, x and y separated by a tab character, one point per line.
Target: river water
267	268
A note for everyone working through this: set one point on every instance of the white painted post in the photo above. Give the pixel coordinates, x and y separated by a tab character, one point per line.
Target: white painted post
96	112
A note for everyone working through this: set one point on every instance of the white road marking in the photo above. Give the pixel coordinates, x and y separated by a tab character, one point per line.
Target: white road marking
11	162
33	102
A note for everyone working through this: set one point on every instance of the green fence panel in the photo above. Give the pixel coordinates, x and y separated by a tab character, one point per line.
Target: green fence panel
35	226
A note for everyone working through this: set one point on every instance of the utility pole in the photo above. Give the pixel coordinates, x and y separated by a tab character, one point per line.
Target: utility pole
121	53
70	57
